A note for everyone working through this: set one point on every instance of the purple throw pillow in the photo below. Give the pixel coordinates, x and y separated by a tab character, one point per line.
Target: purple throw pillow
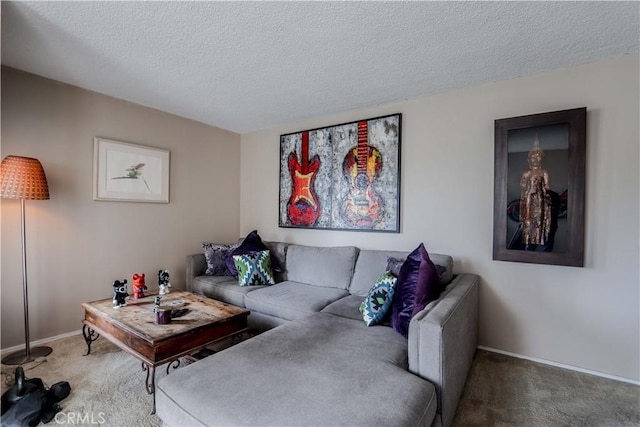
429	285
405	294
418	284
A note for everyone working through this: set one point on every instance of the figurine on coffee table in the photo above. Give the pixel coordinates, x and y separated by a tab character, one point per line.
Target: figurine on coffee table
120	293
163	281
138	285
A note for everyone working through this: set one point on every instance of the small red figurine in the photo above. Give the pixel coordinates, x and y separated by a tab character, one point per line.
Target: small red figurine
138	285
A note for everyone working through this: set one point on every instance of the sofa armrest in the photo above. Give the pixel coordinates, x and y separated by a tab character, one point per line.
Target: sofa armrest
443	341
196	266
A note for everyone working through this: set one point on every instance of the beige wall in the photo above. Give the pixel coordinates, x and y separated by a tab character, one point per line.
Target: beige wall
584	317
78	246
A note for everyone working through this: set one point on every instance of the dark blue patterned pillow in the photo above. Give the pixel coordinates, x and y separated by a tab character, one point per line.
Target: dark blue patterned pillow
378	301
216	256
254	268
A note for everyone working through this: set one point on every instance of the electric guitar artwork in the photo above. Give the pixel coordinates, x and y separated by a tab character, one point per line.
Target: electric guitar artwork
362	207
303	207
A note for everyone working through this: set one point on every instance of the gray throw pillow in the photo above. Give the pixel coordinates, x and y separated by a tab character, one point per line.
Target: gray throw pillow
393	265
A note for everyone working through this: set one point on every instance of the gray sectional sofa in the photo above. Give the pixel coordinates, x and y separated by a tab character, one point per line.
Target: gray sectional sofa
316	362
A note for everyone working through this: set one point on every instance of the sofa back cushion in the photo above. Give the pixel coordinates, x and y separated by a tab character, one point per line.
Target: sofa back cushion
328	267
369	267
279	254
372	263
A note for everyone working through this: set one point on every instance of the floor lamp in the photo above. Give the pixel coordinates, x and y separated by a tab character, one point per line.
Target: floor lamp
23	178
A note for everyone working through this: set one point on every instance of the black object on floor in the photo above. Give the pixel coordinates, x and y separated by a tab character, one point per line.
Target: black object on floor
28	401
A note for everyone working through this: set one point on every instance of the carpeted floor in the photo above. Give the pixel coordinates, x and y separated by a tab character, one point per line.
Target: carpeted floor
505	391
107	388
107	385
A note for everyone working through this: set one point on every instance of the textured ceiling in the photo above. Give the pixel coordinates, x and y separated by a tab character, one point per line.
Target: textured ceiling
245	66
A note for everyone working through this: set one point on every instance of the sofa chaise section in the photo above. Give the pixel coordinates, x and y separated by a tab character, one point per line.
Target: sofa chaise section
319	370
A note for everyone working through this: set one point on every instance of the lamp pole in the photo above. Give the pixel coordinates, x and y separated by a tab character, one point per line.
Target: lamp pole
25	294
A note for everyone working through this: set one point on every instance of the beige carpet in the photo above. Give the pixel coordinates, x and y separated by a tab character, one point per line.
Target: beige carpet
505	391
107	384
501	391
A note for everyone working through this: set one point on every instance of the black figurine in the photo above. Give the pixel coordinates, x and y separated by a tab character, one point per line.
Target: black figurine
163	281
156	303
120	293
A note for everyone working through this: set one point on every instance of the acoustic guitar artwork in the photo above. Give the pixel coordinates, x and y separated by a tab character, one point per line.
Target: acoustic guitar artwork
303	208
362	207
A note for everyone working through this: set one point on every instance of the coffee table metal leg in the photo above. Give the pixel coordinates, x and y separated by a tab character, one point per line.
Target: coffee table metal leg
150	382
175	364
89	336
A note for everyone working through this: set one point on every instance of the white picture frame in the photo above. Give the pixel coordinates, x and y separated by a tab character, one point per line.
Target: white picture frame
125	172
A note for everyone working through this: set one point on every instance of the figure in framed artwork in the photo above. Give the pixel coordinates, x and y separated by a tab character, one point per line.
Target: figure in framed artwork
539	209
536	203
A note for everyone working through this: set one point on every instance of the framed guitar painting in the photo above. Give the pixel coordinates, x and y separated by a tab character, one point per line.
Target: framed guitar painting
342	177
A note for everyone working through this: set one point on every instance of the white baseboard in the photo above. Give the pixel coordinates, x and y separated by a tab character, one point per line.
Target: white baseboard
40	342
561	365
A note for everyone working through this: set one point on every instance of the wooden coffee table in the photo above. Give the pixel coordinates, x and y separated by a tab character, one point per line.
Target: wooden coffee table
133	329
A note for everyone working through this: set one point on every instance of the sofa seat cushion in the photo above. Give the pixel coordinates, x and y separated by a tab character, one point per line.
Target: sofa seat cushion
321	370
223	288
328	267
348	307
292	300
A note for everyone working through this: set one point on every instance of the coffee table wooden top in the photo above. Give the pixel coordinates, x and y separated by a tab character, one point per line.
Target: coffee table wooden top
134	329
138	316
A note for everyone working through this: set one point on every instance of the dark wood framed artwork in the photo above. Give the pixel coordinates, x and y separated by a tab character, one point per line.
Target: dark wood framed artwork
539	188
342	177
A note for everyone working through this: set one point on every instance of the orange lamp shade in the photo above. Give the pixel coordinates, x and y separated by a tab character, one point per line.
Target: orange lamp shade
23	178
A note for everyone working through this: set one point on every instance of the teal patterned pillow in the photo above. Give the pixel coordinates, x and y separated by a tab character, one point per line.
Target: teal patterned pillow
254	268
378	300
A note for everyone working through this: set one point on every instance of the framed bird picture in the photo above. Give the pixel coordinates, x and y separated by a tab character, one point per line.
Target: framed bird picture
127	172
